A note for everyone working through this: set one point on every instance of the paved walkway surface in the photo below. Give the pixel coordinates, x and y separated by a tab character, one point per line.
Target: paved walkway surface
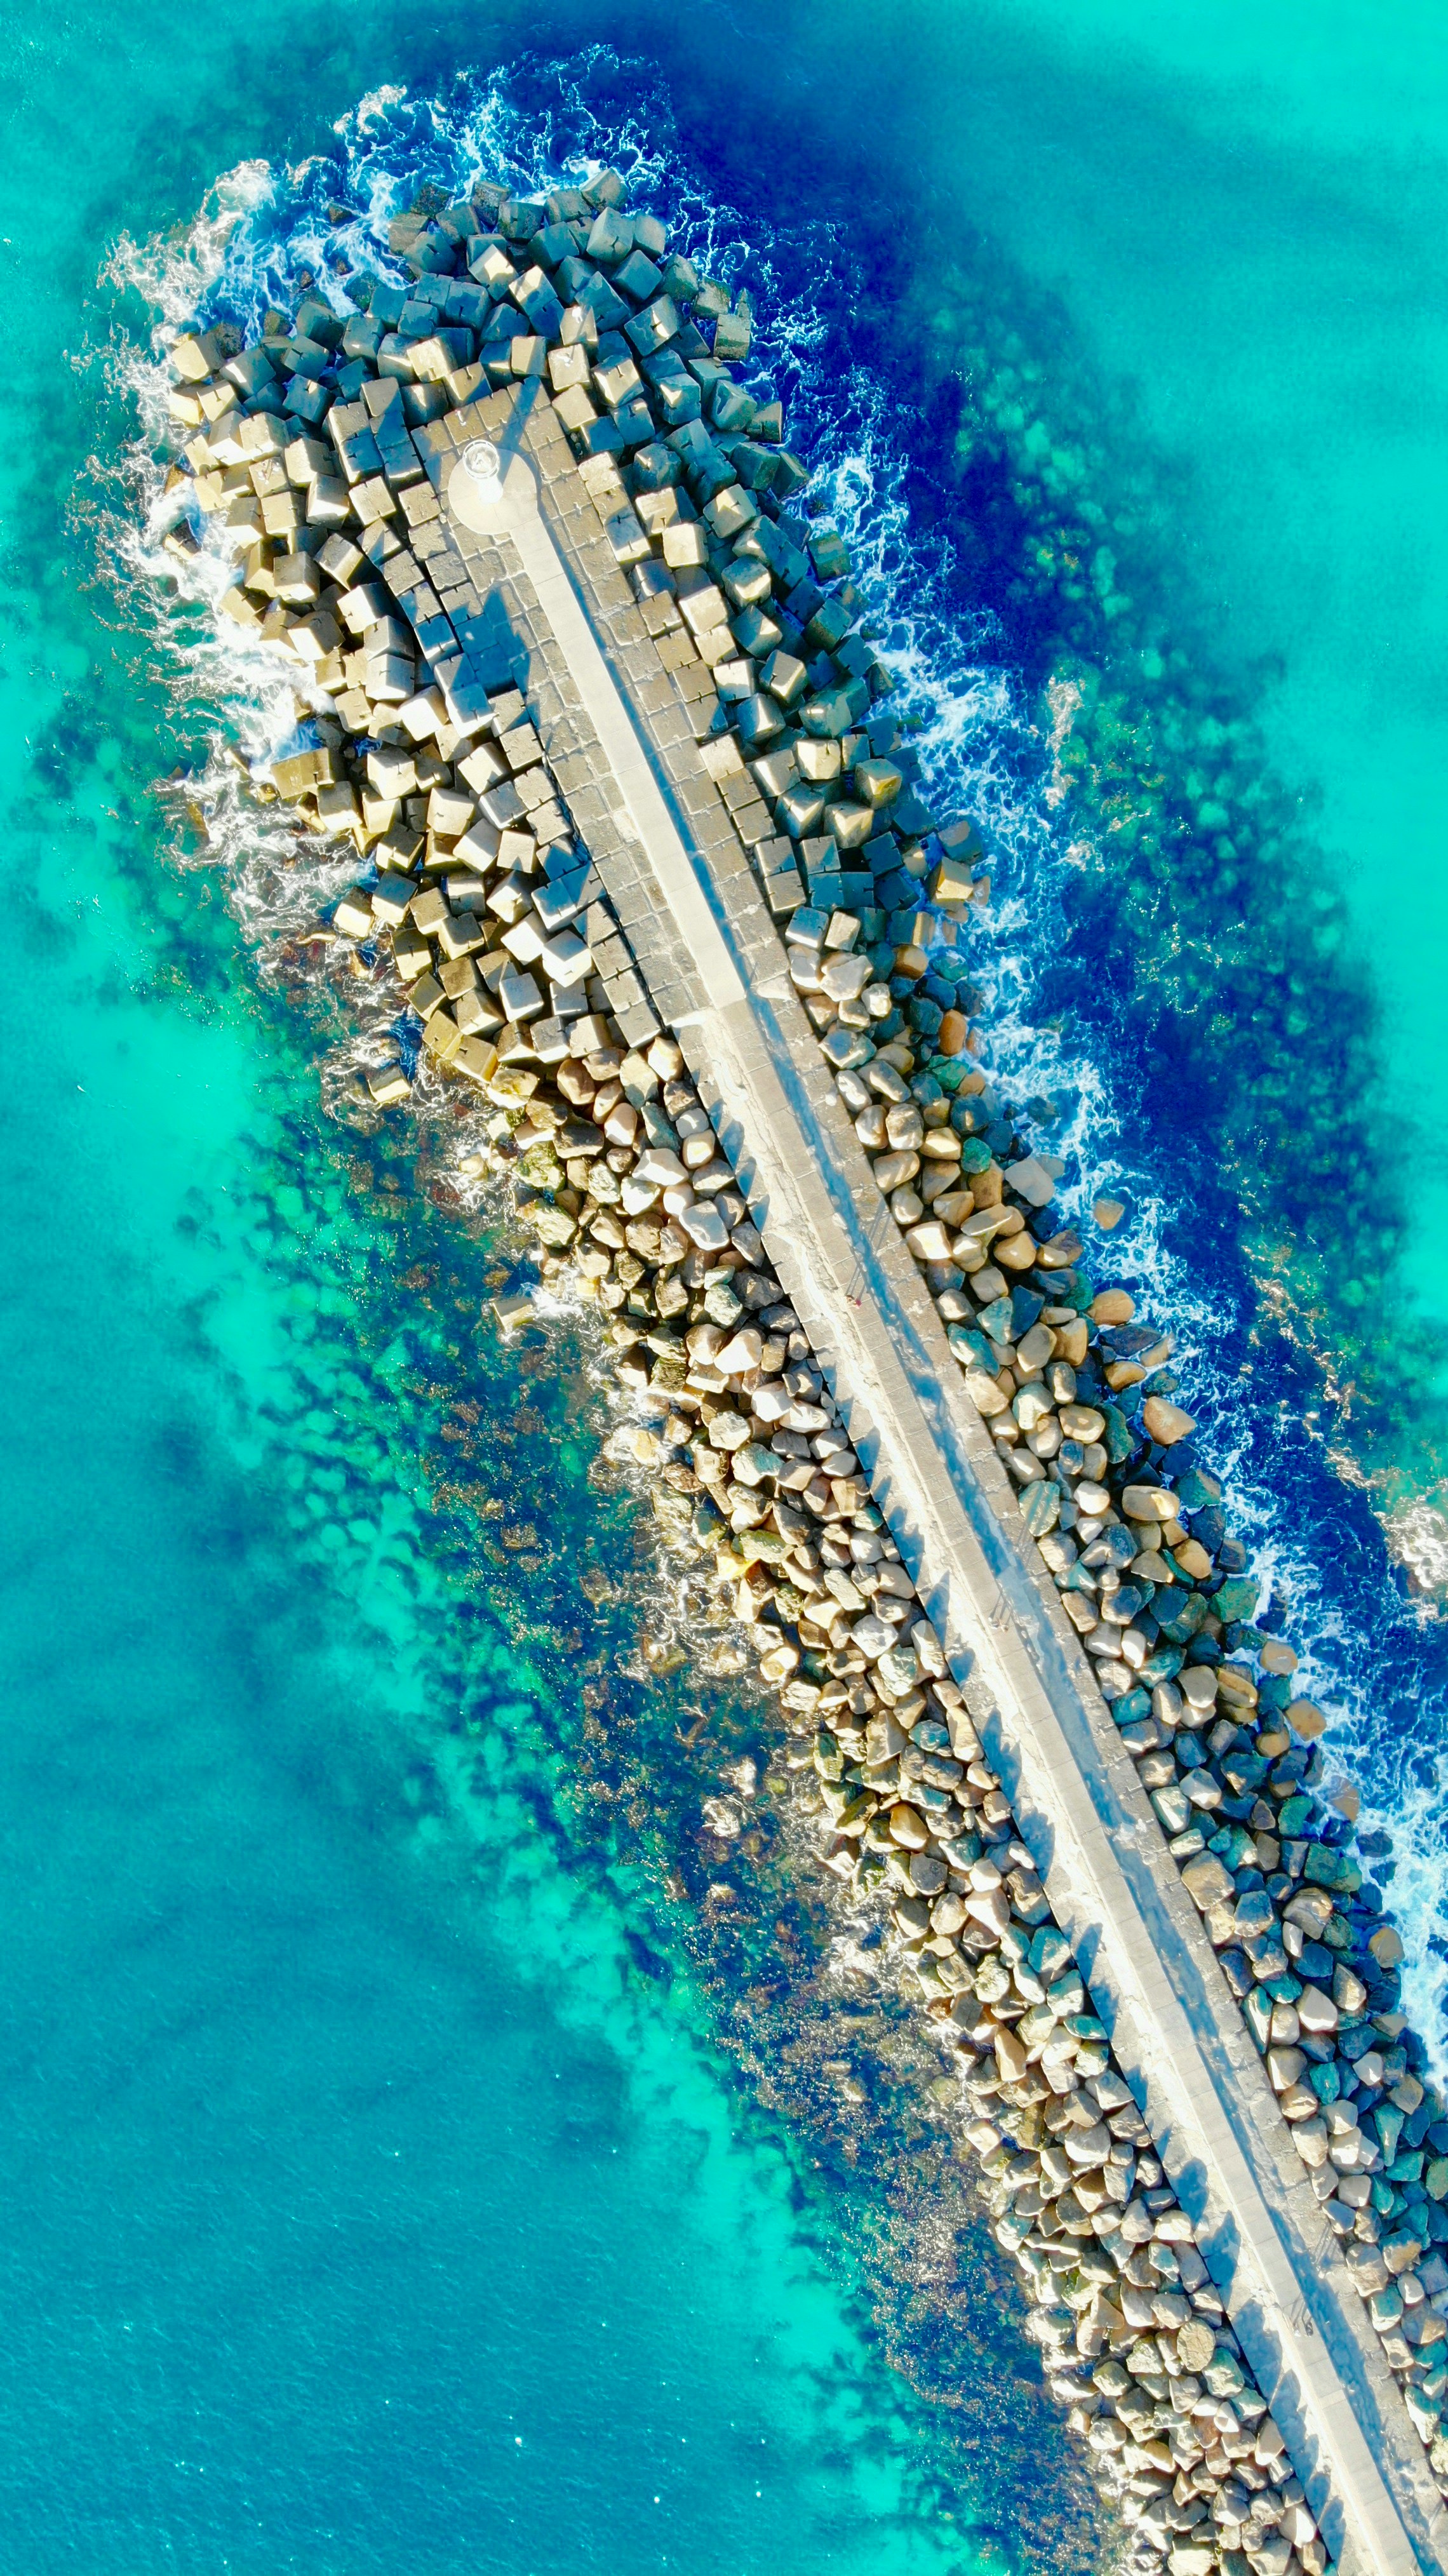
540	594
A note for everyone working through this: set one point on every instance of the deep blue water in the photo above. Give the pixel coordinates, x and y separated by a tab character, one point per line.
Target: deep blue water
399	2172
1167	974
377	2186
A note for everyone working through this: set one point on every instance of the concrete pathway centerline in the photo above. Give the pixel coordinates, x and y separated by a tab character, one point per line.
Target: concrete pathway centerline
1081	1807
515	515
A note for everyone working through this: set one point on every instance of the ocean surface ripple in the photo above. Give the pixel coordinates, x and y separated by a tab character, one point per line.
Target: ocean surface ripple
1148	992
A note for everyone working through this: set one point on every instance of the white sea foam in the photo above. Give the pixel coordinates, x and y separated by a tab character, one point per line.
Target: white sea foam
982	756
258	232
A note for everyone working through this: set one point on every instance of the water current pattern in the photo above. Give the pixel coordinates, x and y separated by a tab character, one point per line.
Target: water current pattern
332	1583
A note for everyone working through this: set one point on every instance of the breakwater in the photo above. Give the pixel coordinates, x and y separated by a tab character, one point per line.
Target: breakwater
513	886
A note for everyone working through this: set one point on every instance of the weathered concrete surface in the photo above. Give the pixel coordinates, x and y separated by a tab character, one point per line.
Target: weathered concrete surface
684	888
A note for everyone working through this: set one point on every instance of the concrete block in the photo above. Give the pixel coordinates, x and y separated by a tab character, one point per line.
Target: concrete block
387	1085
519	219
304	400
296	581
264	436
535	297
607	310
220	406
730	512
352	918
328	503
611	237
606	189
316	321
310	638
441	1037
553	245
850	825
658	323
784	892
194	357
491	268
475	1058
567	367
374	499
705	611
617	381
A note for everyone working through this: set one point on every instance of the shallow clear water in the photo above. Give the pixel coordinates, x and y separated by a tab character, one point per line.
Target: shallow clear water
376	2183
394	2163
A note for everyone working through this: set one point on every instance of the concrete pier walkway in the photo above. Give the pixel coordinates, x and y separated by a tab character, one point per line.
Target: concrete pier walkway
616	730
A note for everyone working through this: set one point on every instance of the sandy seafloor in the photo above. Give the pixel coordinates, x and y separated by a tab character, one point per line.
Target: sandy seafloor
407	2159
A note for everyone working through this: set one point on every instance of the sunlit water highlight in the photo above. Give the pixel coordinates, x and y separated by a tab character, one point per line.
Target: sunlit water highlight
410	1959
1130	934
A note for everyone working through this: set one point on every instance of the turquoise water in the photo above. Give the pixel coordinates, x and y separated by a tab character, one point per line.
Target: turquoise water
376	2185
1249	226
397	2172
1242	212
406	2160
